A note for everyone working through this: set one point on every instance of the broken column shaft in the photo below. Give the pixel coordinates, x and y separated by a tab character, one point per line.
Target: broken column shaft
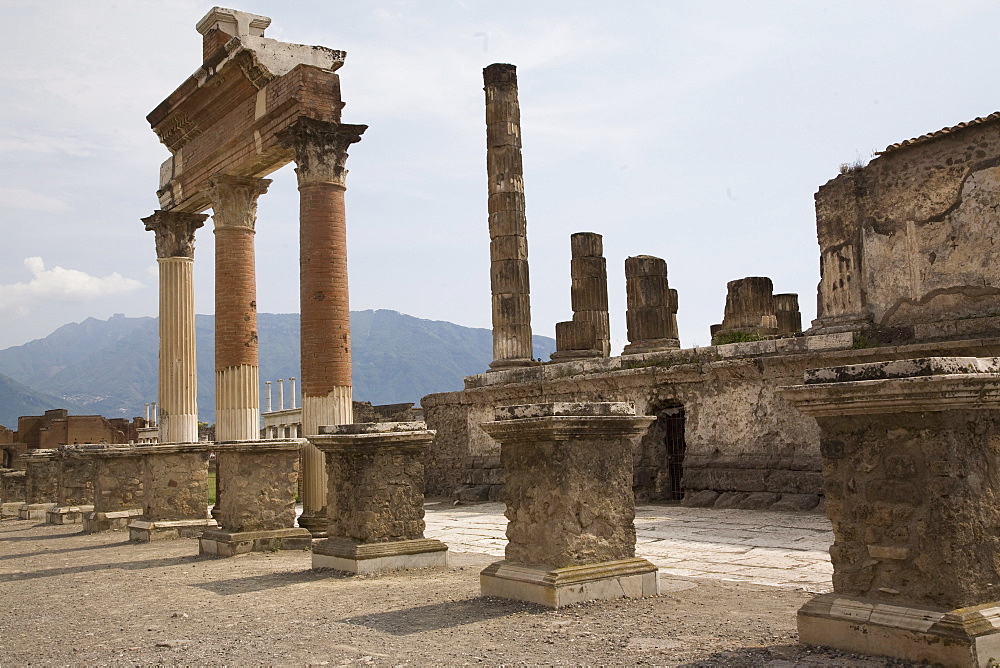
512	345
652	306
178	374
589	333
237	376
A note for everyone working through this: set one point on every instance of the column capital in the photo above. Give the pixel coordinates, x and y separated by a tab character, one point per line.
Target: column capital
234	200
320	148
174	232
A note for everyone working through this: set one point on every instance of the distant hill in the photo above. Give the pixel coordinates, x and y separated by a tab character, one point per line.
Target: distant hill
109	367
17	399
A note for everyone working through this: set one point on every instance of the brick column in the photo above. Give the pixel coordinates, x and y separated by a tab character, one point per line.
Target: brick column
512	344
178	374
237	382
320	155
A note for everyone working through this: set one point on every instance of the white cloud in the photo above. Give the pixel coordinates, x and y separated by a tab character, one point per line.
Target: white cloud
60	285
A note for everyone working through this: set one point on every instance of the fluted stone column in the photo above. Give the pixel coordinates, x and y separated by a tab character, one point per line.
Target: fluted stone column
320	155
652	306
786	312
750	306
178	373
589	333
237	378
512	344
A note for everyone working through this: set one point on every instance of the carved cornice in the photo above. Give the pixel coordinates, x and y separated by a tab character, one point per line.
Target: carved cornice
174	232
178	131
234	200
320	149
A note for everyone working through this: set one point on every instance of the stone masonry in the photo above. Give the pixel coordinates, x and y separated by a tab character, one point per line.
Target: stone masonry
589	333
75	491
175	502
12	491
376	498
119	485
509	282
570	507
41	486
909	460
652	306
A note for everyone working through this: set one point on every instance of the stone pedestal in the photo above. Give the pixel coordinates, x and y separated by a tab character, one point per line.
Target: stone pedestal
570	507
651	317
175	502
12	492
909	466
41	483
118	486
256	509
376	498
75	493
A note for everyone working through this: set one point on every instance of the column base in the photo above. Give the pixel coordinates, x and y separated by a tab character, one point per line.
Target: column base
651	346
67	514
11	509
509	364
350	556
117	520
143	531
316	524
34	511
219	543
570	355
558	587
963	637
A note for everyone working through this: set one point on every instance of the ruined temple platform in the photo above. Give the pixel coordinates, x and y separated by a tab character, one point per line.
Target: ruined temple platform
766	547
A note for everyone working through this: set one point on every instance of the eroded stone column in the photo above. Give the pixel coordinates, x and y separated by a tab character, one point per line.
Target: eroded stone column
750	307
570	505
320	156
589	333
787	315
910	457
512	345
178	373
237	376
376	498
652	306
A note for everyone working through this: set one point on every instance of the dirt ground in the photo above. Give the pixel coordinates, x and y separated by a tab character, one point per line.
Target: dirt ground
68	598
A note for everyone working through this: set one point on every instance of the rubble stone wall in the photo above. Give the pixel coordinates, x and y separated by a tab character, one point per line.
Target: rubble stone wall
176	486
257	490
12	485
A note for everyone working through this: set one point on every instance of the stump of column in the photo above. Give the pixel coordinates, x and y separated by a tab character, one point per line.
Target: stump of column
651	317
575	340
175	484
909	468
570	506
256	509
41	483
787	316
12	492
376	498
75	494
118	485
750	307
589	287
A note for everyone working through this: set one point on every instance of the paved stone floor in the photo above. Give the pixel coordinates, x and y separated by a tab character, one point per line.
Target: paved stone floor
781	549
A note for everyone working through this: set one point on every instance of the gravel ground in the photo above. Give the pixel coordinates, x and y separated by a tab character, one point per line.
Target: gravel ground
75	599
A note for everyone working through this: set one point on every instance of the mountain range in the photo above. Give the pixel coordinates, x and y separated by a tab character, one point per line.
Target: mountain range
109	367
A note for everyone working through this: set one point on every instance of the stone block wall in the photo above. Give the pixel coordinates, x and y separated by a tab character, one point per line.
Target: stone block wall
257	491
12	486
42	482
176	485
76	480
118	484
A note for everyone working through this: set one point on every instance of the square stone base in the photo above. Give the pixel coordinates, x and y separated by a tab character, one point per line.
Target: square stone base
67	514
143	531
117	520
34	511
347	555
219	543
10	509
963	637
558	587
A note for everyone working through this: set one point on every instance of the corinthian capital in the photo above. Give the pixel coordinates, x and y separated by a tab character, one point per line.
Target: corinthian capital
234	200
174	232
320	148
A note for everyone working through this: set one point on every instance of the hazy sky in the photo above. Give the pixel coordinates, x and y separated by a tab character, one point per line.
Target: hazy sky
696	132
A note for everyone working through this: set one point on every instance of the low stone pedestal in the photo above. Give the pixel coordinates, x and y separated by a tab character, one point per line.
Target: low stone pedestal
41	483
67	514
12	491
256	508
175	499
570	507
909	466
118	485
375	475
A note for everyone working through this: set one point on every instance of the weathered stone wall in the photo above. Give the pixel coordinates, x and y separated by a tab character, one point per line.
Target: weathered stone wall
118	480
907	242
257	490
12	486
76	480
745	445
42	482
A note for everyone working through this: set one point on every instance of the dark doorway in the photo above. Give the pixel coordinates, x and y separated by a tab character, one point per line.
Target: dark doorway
671	421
